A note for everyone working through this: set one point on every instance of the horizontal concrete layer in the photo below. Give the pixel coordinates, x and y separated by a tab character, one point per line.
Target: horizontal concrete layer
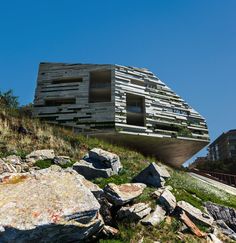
172	151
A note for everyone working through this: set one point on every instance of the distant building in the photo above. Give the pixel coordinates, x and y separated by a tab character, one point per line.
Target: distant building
224	147
122	104
198	161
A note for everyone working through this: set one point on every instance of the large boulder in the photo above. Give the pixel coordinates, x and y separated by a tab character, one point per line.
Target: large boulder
154	218
219	212
49	205
153	175
195	213
110	160
167	199
98	163
134	212
41	155
119	195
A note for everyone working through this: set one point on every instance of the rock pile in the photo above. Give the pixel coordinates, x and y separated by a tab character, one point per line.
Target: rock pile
56	205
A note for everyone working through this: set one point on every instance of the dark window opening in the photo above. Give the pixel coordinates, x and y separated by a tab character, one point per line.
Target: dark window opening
58	102
137	82
135	106
67	80
100	86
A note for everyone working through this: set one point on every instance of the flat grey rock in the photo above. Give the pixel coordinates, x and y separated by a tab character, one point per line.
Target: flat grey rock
134	212
155	217
61	160
195	213
41	154
167	199
153	175
119	195
92	170
49	205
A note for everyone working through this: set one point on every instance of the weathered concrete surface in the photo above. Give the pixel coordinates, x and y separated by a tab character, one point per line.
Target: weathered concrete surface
195	213
48	205
124	193
169	150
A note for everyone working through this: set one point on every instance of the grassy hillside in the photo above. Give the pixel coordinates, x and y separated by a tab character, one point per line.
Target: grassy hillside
44	136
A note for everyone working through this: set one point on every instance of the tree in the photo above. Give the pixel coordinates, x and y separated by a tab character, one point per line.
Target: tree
8	100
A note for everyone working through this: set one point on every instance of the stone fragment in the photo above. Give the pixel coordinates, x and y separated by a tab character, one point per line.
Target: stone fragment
191	225
41	154
92	170
167	199
225	229
195	213
124	193
153	175
13	159
219	212
61	160
213	239
110	160
134	212
155	217
98	163
110	231
50	205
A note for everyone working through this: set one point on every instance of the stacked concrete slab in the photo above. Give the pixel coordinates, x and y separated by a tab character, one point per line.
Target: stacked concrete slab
126	105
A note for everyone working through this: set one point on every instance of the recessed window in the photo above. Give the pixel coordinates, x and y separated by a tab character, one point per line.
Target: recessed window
58	102
135	106
100	86
67	80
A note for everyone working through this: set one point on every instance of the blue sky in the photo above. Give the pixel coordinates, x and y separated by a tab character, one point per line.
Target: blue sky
190	45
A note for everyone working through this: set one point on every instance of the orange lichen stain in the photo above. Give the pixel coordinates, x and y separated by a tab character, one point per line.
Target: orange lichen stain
55	217
13	179
35	214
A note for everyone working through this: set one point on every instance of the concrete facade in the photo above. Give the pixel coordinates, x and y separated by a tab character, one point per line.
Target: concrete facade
125	105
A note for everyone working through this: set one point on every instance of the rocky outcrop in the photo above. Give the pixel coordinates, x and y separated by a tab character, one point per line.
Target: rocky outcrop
195	213
49	205
41	155
155	218
119	195
153	175
218	212
167	199
134	212
98	163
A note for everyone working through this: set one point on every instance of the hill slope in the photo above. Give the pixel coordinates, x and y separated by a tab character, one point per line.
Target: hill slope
21	135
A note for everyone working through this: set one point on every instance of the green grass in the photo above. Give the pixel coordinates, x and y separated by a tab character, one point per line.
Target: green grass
43	164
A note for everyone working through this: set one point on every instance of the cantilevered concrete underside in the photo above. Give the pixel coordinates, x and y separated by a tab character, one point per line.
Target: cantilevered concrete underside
173	151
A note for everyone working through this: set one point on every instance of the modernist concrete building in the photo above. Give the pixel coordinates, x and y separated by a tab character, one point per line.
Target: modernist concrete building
224	147
125	105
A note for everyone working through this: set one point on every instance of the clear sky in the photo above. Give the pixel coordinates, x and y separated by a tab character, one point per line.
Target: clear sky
190	45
